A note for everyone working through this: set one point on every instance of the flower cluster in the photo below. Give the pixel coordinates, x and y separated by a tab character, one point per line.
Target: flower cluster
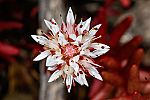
70	50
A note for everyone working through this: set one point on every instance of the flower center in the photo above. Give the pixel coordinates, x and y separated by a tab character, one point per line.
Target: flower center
69	50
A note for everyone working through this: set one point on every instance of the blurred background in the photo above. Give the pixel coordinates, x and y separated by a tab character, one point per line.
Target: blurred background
125	28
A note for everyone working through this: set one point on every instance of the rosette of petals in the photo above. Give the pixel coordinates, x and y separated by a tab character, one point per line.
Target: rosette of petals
70	49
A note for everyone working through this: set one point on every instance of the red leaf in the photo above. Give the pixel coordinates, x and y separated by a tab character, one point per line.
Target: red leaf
119	30
10	25
34	11
128	49
8	49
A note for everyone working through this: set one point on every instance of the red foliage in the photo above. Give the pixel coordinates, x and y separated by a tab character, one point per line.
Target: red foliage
121	73
10	25
7	51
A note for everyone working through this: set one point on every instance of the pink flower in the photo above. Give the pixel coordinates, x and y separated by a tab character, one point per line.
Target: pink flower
70	50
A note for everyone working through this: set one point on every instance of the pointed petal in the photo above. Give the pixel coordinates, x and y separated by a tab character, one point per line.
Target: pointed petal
91	69
74	65
50	61
68	69
51	68
93	31
98	53
86	24
90	61
70	17
85	45
41	40
53	44
79	38
61	39
99	46
83	26
100	49
42	55
88	53
53	60
84	79
79	80
69	82
52	25
44	41
76	58
55	75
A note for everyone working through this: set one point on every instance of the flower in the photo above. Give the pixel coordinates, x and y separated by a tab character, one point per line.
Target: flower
70	50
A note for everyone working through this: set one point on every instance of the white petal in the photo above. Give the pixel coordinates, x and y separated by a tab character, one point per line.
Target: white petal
94	73
94	54
90	54
72	36
86	45
87	53
53	44
53	60
41	40
55	75
61	39
44	41
52	26
90	61
83	26
86	24
93	31
84	80
42	55
91	69
79	38
86	38
98	53
50	61
51	68
81	79
99	49
70	17
69	82
76	58
74	65
99	46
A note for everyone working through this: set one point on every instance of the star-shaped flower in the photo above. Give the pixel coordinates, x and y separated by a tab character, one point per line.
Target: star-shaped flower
70	50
